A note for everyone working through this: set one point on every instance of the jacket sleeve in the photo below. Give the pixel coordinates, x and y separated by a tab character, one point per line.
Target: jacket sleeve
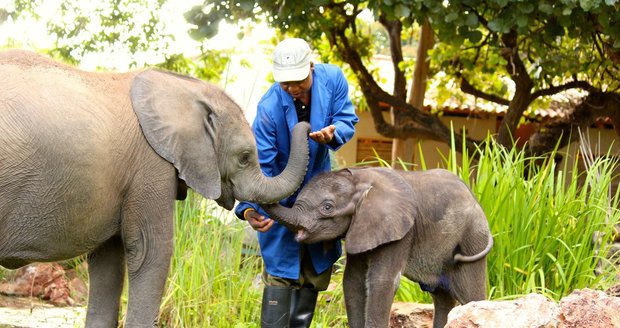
342	113
242	206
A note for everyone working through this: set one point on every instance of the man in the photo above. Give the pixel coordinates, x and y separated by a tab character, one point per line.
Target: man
317	93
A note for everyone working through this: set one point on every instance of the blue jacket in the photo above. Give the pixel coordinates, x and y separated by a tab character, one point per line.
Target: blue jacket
275	118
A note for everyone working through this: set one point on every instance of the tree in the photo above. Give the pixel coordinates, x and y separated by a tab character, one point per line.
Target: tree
404	148
130	27
543	47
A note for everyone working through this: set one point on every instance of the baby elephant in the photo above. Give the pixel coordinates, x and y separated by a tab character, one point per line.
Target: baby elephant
425	225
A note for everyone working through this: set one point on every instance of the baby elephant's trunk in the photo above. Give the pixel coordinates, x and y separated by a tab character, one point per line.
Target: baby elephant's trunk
474	258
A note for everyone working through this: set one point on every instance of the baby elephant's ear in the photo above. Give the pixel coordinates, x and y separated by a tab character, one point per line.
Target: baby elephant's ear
384	213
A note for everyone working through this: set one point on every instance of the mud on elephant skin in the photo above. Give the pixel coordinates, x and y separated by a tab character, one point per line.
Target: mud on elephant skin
91	163
425	225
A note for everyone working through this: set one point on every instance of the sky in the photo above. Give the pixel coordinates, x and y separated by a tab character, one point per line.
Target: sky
246	85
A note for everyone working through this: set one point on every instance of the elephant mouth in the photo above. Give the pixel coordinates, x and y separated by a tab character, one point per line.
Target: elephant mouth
226	202
226	199
301	235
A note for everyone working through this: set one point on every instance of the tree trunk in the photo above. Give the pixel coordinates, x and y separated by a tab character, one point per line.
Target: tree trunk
523	90
562	131
403	149
420	124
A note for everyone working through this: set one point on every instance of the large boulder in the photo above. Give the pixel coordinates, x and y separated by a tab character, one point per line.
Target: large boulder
589	308
532	310
47	281
584	308
405	315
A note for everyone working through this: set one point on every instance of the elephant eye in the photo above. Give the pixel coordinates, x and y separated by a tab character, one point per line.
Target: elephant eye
244	159
327	207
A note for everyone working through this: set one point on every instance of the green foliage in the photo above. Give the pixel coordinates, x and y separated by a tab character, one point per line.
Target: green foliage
544	220
208	66
409	291
495	50
213	275
310	20
133	28
16	8
556	39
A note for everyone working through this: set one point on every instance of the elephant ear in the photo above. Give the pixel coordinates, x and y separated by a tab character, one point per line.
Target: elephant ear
180	126
385	211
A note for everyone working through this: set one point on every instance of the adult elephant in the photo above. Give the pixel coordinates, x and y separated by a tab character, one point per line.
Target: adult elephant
90	163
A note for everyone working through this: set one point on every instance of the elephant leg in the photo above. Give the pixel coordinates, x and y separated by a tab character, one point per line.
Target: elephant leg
148	232
106	272
443	302
354	286
384	271
469	281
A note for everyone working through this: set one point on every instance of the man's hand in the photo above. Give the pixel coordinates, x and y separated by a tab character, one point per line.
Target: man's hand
325	135
257	221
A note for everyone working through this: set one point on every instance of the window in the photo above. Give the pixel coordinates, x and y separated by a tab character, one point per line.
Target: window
369	149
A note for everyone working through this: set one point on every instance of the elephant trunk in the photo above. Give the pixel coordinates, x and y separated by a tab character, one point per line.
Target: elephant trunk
289	217
268	190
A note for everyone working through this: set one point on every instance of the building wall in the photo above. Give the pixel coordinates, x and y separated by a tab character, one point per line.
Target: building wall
365	129
601	140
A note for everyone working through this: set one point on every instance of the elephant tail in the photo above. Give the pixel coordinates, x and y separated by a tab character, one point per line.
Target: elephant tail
476	257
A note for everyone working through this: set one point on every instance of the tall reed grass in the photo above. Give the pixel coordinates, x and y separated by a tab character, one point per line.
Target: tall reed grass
213	275
544	219
547	219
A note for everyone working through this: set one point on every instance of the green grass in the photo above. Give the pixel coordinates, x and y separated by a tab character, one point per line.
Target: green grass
214	279
542	219
213	276
544	224
543	227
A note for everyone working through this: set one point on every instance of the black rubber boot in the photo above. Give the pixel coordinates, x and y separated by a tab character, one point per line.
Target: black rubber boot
275	308
303	302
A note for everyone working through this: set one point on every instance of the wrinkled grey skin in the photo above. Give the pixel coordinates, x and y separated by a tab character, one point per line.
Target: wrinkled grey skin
426	226
89	162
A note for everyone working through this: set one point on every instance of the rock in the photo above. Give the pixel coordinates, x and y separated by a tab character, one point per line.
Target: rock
589	308
47	281
532	310
584	308
613	291
411	315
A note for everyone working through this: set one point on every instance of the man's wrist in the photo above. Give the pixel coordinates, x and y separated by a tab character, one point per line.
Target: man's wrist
245	211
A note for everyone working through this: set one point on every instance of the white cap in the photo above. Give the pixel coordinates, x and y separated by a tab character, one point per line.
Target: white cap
291	60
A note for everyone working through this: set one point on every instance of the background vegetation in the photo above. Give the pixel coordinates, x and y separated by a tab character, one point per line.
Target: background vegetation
512	52
543	224
543	227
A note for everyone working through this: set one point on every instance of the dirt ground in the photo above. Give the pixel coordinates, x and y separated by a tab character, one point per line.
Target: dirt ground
31	313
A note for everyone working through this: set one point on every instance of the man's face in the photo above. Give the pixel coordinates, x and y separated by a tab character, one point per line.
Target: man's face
298	88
